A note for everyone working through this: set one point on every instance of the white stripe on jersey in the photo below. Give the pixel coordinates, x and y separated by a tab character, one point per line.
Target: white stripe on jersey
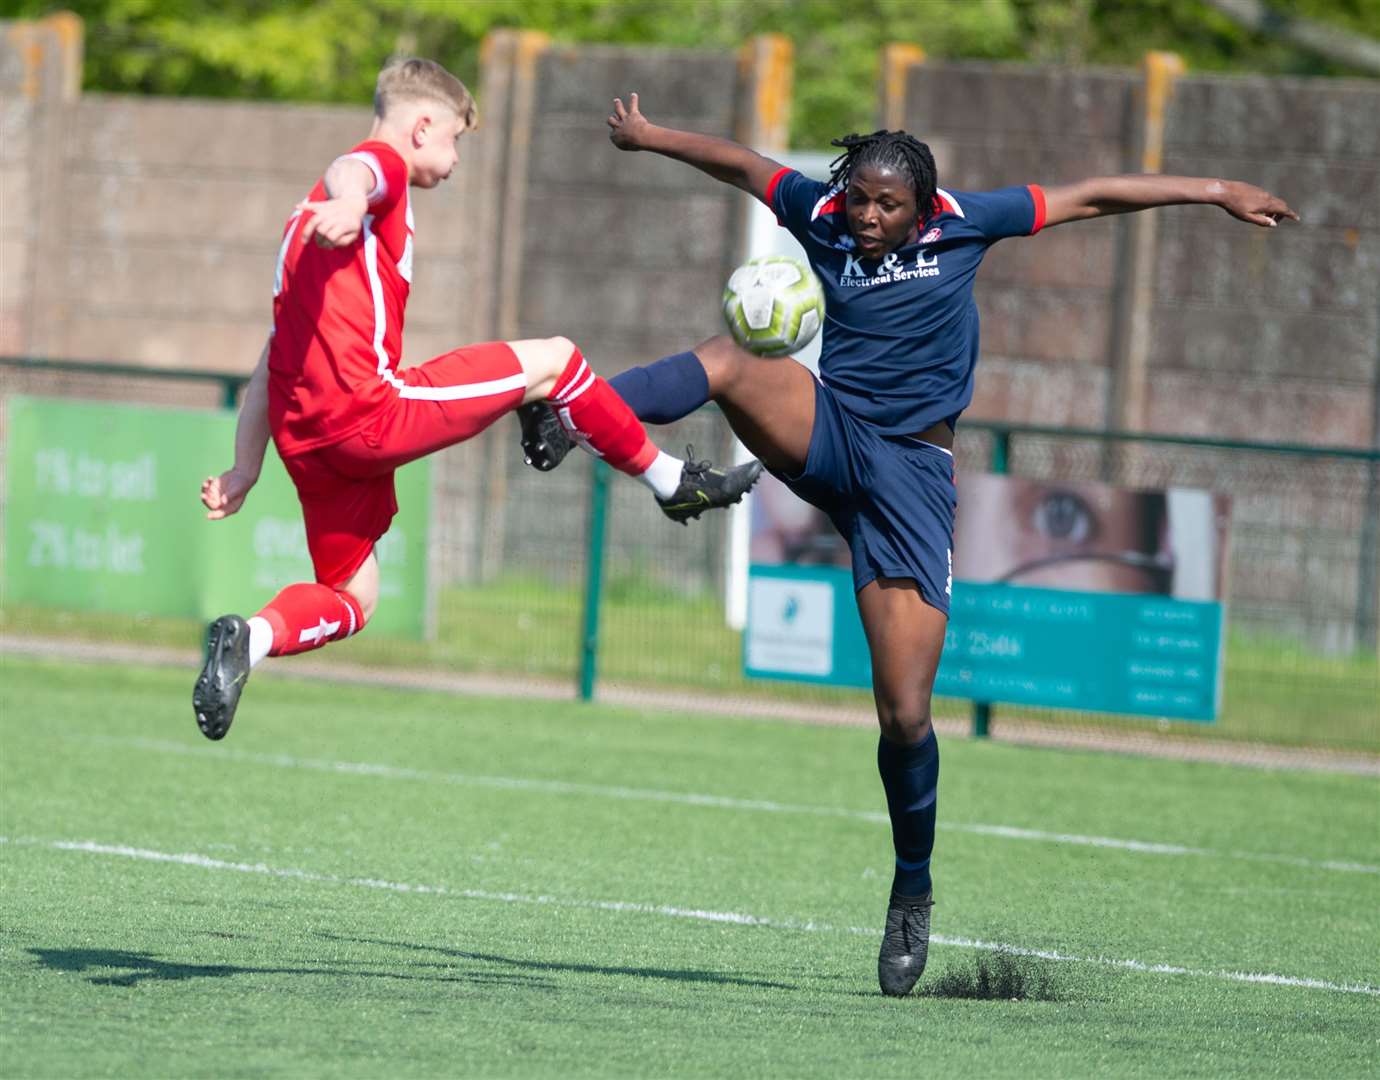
371	262
294	221
951	201
380	191
819	206
459	392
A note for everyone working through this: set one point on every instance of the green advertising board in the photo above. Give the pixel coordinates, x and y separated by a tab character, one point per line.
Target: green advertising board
102	514
1105	652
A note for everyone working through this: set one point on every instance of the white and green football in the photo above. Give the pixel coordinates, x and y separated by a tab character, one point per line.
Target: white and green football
773	305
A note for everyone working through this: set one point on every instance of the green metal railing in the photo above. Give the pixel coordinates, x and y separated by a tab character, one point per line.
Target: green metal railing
231	383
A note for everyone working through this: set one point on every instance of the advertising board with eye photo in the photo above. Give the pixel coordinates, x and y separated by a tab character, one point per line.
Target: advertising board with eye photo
1087	536
1077	595
1091	537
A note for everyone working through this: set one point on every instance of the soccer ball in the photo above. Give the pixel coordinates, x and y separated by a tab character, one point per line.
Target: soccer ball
773	305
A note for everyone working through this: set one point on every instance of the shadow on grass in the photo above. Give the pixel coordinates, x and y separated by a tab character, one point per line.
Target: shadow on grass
143	967
670	974
995	976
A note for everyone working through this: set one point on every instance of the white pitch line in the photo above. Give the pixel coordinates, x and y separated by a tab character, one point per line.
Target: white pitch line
722	802
1150	848
205	862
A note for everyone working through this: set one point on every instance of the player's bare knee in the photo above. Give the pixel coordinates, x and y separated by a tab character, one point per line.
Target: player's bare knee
723	361
559	350
904	723
542	360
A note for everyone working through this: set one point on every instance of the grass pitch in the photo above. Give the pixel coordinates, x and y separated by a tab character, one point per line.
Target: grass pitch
369	882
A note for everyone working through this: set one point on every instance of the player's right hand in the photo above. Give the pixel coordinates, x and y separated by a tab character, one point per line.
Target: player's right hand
627	124
224	494
333	222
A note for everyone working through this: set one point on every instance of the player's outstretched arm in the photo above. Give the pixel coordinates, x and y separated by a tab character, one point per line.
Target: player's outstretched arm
1103	195
224	494
722	159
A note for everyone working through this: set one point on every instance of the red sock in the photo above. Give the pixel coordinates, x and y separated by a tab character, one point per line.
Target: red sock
305	616
600	420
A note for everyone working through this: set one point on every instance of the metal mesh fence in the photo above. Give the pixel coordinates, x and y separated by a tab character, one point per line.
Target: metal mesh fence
510	566
511	549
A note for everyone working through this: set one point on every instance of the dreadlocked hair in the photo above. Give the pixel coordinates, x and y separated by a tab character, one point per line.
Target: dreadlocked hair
892	150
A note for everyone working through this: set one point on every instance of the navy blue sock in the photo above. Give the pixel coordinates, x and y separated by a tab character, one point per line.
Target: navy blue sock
910	775
663	392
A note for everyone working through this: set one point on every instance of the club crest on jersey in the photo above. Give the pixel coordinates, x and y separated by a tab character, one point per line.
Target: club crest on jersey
931	236
892	268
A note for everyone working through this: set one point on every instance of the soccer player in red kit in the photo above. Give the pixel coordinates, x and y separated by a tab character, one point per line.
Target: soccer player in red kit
342	414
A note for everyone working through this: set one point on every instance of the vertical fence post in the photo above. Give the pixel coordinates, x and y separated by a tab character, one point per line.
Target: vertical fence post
594	579
1368	576
1001	451
1001	457
898	57
1128	384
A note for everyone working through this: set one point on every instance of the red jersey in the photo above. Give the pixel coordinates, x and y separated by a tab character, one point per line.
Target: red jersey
338	316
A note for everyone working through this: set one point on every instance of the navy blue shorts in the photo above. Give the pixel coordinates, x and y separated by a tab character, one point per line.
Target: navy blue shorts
891	497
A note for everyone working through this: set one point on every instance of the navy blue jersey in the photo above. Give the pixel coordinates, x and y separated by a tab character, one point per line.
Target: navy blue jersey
901	333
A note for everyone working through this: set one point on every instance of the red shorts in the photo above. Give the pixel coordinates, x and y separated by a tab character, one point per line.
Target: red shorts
346	489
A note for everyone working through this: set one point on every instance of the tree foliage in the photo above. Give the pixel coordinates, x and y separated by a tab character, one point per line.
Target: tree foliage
330	50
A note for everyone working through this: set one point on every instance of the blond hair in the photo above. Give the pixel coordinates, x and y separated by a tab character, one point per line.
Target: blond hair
414	79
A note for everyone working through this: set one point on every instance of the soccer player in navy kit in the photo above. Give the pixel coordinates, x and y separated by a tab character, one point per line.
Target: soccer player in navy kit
870	441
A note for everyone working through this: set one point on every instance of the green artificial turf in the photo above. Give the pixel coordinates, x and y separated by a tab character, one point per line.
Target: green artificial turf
367	882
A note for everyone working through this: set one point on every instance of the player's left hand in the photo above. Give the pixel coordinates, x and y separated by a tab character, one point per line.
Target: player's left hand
224	494
627	125
333	222
1254	205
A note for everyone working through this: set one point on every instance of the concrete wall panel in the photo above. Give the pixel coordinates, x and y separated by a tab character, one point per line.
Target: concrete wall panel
174	136
1036	392
1061	325
1305	117
677	87
1207	257
570	154
185	341
1228	405
659	231
1328	348
680	303
1084	257
1011	103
